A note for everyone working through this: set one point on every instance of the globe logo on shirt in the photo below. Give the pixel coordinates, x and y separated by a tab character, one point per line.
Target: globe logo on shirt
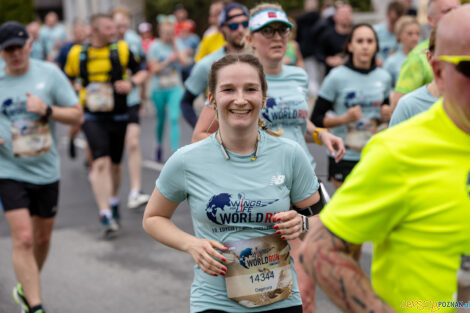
225	208
244	255
270	104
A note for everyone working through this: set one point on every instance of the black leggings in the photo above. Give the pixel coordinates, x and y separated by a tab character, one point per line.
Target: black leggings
292	309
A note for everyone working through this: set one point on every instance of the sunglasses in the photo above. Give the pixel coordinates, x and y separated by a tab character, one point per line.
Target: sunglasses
462	62
234	26
268	31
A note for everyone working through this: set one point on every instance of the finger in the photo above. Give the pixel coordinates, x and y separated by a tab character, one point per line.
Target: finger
218	245
28	94
289	227
213	265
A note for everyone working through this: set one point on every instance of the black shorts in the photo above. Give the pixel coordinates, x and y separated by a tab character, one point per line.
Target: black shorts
106	138
339	171
133	112
41	200
291	309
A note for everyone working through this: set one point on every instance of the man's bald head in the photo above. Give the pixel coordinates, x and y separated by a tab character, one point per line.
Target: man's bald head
438	8
453	31
452	38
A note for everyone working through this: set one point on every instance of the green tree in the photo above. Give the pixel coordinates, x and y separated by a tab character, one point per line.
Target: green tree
16	10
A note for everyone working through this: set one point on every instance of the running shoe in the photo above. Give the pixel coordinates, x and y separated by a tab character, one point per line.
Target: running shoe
110	226
136	200
18	295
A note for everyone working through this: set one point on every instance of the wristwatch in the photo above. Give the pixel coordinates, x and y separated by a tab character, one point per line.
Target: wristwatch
304	223
48	111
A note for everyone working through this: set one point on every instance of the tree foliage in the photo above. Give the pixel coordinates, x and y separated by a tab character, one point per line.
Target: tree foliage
16	10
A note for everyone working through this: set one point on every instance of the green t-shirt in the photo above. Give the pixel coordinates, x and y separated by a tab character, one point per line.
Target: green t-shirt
411	198
411	104
415	71
234	200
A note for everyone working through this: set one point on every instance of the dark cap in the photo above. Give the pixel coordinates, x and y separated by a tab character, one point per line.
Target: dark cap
12	34
178	6
224	16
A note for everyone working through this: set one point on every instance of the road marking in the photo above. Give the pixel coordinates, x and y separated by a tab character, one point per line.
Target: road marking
152	165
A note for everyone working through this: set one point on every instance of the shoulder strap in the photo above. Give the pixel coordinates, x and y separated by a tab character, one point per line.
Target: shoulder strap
83	64
116	67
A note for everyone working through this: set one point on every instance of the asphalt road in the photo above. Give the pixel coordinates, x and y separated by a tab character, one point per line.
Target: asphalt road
132	273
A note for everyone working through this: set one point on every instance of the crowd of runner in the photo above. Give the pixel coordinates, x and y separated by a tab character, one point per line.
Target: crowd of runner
272	84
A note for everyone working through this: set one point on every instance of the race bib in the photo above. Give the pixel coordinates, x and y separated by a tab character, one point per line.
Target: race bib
30	137
359	133
99	97
258	271
169	79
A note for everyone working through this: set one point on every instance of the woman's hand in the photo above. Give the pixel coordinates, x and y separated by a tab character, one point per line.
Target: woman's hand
334	144
290	226
207	257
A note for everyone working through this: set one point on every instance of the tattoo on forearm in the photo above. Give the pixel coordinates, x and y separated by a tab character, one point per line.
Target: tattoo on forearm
327	259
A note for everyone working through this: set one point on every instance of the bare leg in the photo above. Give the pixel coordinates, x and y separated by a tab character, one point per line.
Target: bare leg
116	173
24	262
42	228
101	182
134	156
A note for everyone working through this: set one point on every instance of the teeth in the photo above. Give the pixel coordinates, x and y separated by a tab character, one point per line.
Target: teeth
239	111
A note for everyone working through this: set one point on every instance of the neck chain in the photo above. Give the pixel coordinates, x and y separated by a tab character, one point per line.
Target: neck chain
218	137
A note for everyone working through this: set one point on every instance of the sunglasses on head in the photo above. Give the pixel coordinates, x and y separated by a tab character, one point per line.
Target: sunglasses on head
234	26
462	62
269	31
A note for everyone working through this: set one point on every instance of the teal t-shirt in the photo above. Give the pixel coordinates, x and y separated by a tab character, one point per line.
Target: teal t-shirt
30	151
160	51
135	45
37	51
387	41
50	36
345	88
199	78
393	65
411	104
287	105
234	200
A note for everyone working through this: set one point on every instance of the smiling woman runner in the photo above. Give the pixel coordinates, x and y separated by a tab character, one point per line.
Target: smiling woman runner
240	184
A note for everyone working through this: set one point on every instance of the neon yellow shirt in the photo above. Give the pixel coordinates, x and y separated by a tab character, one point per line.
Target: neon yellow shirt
209	44
415	71
411	198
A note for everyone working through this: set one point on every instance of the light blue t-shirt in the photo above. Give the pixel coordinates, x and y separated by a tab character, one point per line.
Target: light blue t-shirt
234	200
393	65
345	88
387	41
37	52
30	154
135	45
50	36
198	80
411	104
287	105
160	51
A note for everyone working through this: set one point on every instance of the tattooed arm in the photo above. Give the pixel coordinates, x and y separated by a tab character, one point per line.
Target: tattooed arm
327	260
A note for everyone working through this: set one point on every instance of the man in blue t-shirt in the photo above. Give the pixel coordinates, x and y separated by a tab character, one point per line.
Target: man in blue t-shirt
33	95
233	24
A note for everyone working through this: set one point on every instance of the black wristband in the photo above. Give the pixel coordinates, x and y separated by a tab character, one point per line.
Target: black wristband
48	111
132	83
